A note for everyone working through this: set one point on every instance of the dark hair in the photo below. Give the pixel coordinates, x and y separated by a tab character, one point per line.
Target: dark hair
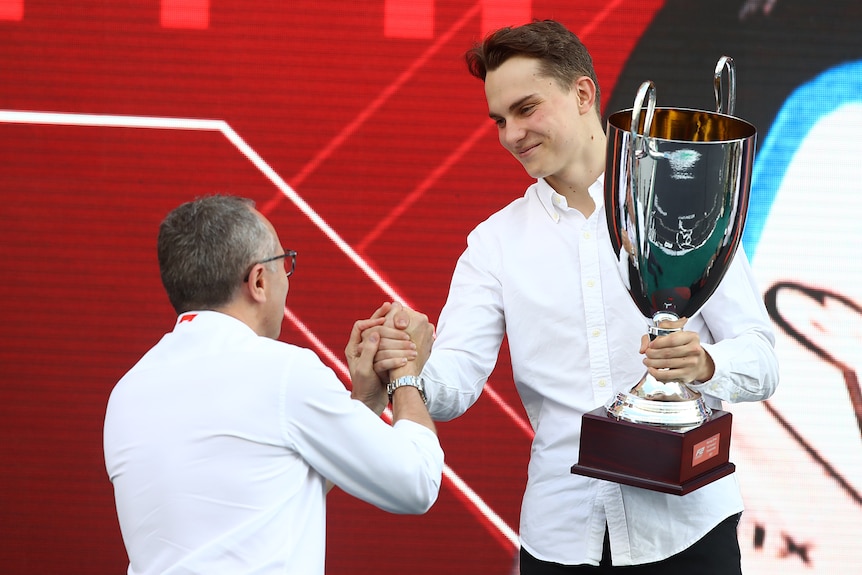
561	54
206	246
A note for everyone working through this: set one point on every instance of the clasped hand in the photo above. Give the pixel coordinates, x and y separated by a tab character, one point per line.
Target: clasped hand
677	356
394	341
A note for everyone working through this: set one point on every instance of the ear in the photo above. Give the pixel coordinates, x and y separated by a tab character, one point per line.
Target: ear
255	288
585	90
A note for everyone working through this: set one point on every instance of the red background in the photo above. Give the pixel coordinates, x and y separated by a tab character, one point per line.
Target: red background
370	117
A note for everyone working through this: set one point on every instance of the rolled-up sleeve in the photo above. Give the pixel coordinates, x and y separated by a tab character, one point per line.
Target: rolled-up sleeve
746	365
469	333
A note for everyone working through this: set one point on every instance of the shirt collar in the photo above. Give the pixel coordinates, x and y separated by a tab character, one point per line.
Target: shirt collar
555	204
208	319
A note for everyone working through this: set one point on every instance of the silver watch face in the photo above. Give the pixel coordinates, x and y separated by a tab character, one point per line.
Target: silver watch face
411	380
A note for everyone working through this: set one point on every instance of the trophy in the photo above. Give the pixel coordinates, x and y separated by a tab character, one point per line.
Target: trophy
676	196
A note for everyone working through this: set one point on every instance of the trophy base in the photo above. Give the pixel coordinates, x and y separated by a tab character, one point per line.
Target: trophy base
650	457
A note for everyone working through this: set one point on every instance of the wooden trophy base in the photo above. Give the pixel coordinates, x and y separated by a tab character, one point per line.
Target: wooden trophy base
654	458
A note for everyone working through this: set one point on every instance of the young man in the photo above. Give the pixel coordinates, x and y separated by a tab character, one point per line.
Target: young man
221	442
543	273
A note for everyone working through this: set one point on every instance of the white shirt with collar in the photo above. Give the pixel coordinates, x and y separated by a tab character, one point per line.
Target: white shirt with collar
219	442
545	276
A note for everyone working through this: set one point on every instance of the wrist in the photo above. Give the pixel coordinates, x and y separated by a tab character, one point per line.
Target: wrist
708	369
376	402
411	368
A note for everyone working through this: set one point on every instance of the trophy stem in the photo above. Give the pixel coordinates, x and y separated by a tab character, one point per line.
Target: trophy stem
658	317
669	404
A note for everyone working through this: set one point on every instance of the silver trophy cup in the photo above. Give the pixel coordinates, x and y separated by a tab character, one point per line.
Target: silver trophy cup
676	190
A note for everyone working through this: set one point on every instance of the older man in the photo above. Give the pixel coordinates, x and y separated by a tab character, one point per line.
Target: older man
221	442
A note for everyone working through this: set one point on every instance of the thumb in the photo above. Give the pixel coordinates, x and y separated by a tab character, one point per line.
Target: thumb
373	340
402	319
644	343
368	348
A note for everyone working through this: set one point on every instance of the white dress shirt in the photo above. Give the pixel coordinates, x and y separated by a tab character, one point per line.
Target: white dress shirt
545	276
219	444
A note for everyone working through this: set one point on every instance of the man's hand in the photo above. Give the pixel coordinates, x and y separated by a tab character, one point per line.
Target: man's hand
406	401
677	356
369	386
421	333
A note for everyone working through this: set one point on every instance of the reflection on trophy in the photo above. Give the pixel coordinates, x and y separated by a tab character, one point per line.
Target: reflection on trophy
676	191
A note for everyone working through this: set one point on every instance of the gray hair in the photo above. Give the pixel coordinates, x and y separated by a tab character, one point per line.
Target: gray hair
206	246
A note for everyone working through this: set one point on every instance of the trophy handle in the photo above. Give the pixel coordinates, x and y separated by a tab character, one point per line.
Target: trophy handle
638	146
725	62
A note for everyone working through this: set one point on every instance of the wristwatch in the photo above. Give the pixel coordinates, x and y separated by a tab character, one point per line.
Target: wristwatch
412	381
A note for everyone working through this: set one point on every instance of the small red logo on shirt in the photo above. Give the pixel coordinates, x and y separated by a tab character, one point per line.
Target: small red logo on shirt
188	317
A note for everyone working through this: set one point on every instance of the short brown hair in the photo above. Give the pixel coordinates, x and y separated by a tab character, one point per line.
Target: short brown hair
561	54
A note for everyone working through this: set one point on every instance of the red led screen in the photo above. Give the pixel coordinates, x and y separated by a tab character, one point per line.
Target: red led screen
360	135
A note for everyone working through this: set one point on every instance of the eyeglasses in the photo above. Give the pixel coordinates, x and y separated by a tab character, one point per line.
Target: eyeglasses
287	254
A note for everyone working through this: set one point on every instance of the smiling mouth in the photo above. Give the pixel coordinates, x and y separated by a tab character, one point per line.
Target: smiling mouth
525	151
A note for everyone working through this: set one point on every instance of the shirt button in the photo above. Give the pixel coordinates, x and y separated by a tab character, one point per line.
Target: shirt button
602	383
596	333
590	283
586	235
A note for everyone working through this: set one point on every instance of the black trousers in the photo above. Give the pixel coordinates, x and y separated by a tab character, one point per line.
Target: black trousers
717	553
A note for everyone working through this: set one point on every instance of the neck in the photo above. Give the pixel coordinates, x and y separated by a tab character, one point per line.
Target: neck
244	313
574	183
581	201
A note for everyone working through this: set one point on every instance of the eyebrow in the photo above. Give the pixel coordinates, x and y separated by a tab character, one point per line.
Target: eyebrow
515	105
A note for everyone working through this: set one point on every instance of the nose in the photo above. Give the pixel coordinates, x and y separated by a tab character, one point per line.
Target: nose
511	134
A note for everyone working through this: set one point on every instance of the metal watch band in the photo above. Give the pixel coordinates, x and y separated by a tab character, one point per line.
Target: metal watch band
412	381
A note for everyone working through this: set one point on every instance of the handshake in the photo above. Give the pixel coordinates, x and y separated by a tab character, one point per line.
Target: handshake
391	346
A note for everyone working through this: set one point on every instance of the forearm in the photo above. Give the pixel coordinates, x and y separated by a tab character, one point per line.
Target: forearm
746	369
407	401
453	383
746	365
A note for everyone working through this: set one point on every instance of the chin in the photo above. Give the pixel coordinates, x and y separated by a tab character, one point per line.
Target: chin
538	174
534	171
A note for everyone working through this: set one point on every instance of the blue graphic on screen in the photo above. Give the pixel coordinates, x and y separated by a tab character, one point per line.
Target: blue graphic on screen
803	109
